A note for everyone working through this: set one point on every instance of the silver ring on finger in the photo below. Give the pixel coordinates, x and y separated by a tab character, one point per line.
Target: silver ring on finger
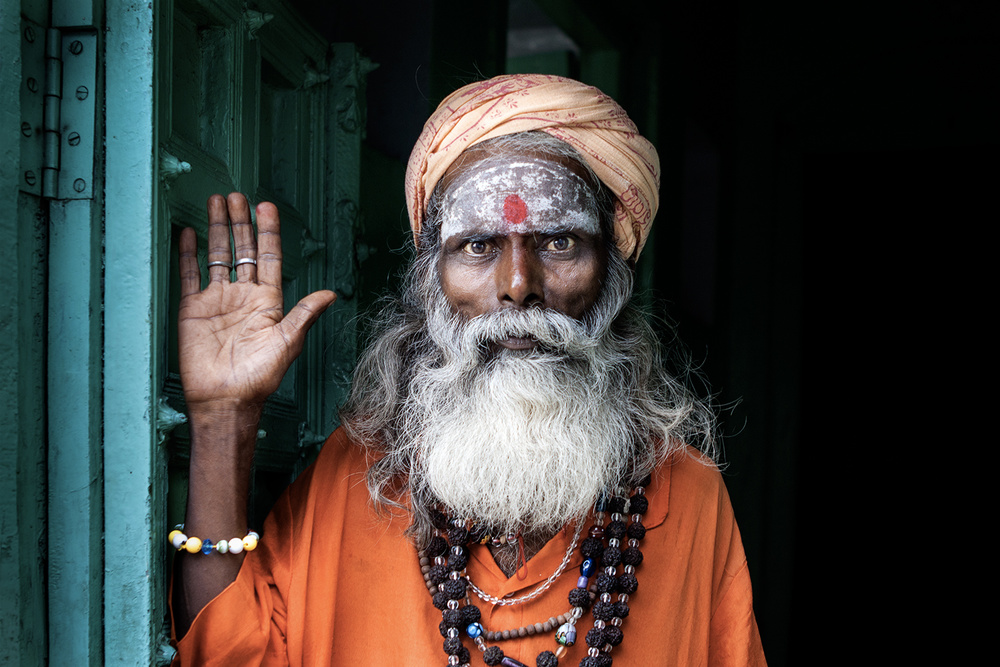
246	260
225	264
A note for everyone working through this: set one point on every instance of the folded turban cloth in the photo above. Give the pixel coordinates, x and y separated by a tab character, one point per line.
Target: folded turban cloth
582	116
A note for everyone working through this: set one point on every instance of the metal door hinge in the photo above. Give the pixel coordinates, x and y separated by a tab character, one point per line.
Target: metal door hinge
58	75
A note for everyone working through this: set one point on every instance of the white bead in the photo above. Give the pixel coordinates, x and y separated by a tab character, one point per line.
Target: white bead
235	545
179	540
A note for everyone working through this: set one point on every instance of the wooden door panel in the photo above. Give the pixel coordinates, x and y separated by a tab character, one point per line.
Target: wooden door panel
236	114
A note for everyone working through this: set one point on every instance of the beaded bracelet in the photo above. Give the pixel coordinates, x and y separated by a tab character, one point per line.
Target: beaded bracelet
193	545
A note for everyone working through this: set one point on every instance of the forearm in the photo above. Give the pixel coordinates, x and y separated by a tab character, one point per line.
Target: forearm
222	441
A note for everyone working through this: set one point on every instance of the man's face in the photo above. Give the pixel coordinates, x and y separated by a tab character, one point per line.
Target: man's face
517	232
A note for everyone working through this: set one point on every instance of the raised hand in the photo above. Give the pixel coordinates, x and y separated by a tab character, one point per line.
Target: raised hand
235	341
235	346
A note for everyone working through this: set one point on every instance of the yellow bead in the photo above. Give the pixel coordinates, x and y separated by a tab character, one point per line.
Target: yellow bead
250	542
193	545
177	539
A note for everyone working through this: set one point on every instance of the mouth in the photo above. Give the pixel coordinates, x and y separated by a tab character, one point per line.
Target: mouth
518	343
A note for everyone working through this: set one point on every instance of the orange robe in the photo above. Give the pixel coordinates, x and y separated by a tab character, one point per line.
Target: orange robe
332	583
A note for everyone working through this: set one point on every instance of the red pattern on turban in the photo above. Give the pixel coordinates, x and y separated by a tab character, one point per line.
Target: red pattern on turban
582	116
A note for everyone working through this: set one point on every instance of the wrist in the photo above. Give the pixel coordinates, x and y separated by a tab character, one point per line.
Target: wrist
224	419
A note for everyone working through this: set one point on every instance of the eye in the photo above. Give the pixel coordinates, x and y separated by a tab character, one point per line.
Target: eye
476	247
560	243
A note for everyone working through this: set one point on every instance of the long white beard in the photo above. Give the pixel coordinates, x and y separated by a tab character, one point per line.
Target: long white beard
520	441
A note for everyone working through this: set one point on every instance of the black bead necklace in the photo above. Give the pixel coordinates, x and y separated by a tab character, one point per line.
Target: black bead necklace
446	580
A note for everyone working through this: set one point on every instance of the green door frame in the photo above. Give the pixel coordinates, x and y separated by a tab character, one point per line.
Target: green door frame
132	577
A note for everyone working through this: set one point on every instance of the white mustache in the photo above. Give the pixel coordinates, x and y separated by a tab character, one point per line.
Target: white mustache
553	331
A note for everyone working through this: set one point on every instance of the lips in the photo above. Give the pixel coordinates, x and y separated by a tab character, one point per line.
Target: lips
519	343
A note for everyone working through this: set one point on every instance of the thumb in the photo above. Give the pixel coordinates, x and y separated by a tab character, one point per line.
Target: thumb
305	313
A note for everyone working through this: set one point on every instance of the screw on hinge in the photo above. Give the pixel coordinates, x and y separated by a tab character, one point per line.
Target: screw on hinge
30	178
29	35
32	84
76	47
82	93
26	128
79	185
73	139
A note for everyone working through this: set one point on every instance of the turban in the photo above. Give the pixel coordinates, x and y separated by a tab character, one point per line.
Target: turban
580	115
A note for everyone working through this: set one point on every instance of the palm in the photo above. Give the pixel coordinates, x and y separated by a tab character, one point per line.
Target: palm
235	342
231	342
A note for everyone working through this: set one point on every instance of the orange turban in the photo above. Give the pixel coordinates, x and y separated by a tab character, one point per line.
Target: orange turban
582	116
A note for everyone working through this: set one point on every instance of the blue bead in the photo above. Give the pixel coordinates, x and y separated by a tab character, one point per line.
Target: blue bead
206	547
474	630
588	567
582	582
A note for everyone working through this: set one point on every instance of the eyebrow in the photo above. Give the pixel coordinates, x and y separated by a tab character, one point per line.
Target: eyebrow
483	231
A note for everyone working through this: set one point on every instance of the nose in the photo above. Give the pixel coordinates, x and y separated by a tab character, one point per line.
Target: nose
520	278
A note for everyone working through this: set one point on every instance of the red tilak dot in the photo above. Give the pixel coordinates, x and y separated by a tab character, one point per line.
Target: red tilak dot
514	210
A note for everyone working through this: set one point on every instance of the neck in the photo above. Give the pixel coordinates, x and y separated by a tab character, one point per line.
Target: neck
507	556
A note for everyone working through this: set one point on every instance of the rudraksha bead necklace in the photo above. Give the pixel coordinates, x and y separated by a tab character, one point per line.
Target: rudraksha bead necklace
449	586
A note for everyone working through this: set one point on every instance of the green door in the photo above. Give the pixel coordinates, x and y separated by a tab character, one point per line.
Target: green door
185	99
242	100
252	101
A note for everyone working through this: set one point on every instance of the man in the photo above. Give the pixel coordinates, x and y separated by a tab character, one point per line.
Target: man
512	484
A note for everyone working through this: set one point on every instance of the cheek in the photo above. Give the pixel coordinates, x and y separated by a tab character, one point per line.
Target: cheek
577	288
463	288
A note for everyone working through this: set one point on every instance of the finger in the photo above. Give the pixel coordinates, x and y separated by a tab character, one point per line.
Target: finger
305	313
243	237
188	256
269	245
218	239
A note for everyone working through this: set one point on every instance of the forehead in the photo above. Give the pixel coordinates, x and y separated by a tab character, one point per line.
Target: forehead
517	194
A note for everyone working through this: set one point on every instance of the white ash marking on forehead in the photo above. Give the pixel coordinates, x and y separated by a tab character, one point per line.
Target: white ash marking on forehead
556	198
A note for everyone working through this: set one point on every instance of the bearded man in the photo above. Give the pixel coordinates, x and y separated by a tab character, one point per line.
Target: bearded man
513	482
